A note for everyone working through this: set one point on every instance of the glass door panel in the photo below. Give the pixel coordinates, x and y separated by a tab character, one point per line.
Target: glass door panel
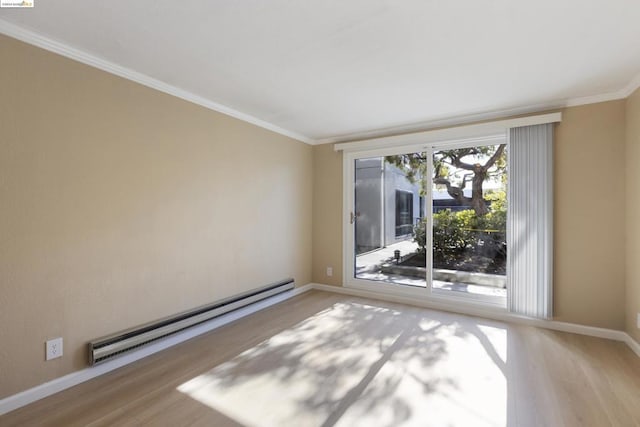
387	219
469	217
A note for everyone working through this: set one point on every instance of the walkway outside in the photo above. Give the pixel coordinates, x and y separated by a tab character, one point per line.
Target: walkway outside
368	267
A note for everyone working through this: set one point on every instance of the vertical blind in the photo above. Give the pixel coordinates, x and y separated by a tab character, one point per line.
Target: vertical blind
530	224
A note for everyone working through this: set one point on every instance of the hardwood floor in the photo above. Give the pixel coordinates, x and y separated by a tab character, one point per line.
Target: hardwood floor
323	359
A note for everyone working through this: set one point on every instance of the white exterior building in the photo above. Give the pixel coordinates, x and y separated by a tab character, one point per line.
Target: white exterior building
387	204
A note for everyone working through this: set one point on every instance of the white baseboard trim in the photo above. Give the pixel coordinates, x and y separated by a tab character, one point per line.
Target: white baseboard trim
489	313
41	391
633	344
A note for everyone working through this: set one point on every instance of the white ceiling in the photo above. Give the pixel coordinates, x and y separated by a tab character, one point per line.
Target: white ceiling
329	70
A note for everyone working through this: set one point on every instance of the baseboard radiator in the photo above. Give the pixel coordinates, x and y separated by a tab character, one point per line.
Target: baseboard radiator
106	348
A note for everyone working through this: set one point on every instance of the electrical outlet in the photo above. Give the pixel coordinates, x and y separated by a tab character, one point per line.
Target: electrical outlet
54	348
329	271
638	321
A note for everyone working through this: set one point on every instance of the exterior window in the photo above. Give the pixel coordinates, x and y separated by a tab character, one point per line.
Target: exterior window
404	213
466	218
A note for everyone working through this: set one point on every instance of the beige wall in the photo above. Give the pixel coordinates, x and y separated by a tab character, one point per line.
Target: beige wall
633	213
589	248
327	214
589	201
121	204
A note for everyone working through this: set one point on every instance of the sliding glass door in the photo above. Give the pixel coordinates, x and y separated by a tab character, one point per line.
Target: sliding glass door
469	221
388	207
430	221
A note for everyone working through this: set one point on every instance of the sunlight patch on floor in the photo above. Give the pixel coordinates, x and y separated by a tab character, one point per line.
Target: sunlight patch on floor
428	383
357	364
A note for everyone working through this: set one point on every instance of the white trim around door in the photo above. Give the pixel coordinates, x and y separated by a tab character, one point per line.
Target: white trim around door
491	133
426	292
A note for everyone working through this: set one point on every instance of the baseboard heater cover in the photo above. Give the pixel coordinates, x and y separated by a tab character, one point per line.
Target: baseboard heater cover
106	348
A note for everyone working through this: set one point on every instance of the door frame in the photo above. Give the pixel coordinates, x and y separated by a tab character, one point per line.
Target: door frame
348	244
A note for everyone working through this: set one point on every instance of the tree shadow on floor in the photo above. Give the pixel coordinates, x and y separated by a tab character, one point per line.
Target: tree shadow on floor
336	361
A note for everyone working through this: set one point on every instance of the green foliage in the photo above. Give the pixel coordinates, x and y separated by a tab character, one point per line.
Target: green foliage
414	166
457	232
496	219
454	166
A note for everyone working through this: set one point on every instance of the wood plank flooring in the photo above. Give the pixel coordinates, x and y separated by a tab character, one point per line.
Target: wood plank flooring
323	359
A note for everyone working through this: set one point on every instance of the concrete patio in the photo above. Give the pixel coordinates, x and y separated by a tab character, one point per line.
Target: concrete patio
369	267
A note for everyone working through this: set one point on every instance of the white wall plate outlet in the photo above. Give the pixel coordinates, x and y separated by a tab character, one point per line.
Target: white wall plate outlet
329	271
638	321
54	348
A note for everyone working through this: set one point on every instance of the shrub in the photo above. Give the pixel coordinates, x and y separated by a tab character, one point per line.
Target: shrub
457	232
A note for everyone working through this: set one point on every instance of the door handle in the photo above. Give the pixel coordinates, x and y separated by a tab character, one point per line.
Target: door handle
354	217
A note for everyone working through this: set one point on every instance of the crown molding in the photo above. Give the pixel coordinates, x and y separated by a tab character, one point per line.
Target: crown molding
44	42
594	99
486	132
633	85
473	118
442	123
477	132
